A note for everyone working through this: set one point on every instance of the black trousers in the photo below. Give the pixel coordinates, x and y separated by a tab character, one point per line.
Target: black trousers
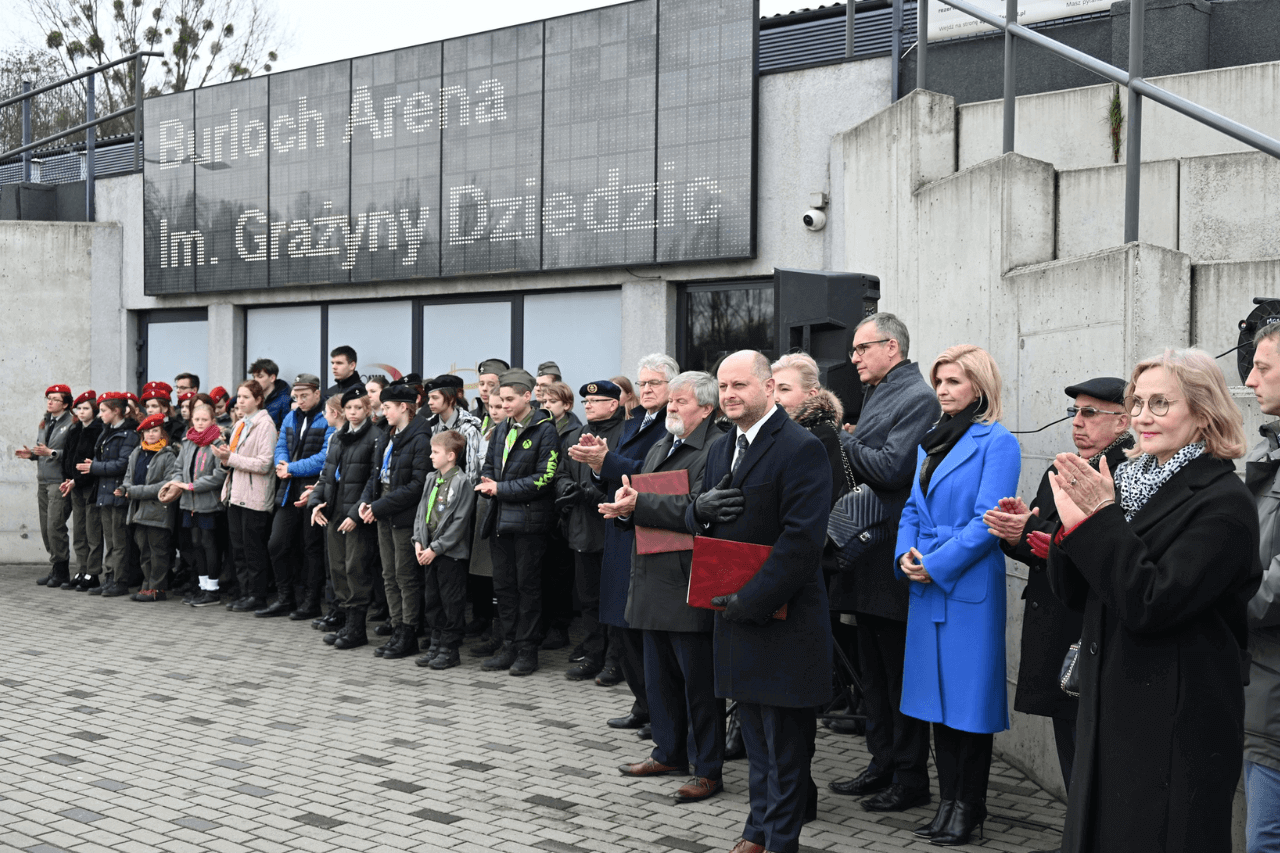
587	580
627	646
250	529
778	749
964	763
480	594
1064	735
444	596
688	719
517	584
898	744
297	553
557	584
200	551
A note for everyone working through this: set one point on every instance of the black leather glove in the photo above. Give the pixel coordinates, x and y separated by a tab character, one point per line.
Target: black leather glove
571	496
721	504
736	611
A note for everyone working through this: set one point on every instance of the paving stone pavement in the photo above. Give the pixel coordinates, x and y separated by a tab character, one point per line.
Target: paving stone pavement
134	728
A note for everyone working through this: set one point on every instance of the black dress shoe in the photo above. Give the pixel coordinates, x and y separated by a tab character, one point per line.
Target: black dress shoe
279	607
305	612
609	676
847	727
866	782
115	589
896	798
929	830
248	605
964	819
645	732
630	721
582	670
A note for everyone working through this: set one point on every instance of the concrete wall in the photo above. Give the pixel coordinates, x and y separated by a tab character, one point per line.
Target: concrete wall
55	273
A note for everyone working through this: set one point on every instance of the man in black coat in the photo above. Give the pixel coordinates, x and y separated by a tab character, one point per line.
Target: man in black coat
1100	429
518	473
768	482
898	409
578	497
687	718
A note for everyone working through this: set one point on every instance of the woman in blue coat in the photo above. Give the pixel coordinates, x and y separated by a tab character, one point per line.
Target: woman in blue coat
954	670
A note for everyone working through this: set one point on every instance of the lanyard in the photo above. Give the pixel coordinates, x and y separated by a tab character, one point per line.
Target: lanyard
386	462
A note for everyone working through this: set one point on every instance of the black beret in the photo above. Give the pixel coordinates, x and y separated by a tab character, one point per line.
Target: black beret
1109	388
495	366
400	392
355	392
601	388
444	380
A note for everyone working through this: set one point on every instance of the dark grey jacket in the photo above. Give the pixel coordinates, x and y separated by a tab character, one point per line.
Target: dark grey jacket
1262	695
144	505
882	452
657	599
53	435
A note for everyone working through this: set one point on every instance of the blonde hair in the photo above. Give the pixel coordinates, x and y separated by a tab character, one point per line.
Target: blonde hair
803	364
1204	389
981	369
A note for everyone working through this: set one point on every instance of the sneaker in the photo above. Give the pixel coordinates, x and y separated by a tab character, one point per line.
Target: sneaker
503	659
578	654
73	581
526	662
206	598
150	595
446	659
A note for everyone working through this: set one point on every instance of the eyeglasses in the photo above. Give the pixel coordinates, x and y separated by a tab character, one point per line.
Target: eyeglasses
652	383
1158	406
1088	411
596	401
861	349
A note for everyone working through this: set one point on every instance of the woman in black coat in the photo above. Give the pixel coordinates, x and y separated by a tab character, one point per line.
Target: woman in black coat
1163	560
796	389
81	439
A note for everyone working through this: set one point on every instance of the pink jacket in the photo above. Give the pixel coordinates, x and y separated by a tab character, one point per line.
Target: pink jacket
251	482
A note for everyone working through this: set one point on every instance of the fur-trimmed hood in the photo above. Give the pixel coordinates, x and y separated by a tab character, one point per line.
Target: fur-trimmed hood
823	407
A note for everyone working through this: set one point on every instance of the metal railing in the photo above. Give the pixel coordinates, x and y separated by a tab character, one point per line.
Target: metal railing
1138	88
89	125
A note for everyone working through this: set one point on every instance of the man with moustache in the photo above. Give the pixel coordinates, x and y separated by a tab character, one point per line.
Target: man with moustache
768	482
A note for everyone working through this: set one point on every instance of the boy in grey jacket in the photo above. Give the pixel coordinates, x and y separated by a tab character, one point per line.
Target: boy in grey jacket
151	465
442	542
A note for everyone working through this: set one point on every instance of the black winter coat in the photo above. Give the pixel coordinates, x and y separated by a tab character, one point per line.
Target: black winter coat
397	502
1160	733
351	456
81	441
111	457
525	500
821	415
1049	627
577	493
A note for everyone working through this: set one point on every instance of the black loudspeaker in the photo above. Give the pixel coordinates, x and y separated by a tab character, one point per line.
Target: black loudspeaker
818	311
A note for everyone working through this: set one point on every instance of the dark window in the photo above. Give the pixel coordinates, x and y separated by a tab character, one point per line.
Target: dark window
723	317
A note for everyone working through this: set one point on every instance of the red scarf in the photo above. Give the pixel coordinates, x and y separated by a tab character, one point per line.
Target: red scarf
205	437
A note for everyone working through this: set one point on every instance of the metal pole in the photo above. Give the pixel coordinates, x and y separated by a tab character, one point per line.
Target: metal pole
90	136
848	29
137	113
1133	144
1010	102
894	83
26	130
922	43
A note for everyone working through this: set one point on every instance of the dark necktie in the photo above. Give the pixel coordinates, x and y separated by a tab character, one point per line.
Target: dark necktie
674	445
743	444
648	419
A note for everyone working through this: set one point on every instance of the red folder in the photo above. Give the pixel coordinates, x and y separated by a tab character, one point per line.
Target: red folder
655	540
722	567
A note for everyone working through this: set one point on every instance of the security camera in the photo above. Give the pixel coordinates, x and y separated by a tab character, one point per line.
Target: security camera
814	219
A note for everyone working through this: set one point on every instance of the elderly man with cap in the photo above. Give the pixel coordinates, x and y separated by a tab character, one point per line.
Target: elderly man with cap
518	473
442	399
687	719
1099	429
296	545
578	497
54	507
489	370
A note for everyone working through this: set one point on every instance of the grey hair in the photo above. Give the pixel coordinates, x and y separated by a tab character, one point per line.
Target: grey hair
1269	332
705	388
890	327
659	363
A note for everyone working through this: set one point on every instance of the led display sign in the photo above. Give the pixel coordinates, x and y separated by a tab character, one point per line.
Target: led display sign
618	136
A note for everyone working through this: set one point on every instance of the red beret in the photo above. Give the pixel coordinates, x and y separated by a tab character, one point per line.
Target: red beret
113	395
186	395
129	395
151	421
87	396
218	393
151	392
159	384
57	389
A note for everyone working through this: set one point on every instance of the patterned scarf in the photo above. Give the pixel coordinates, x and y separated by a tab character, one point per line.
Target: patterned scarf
204	437
1139	479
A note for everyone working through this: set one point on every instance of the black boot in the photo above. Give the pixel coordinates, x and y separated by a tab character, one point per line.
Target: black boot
353	635
281	606
334	621
61	574
940	820
382	650
965	817
309	609
404	642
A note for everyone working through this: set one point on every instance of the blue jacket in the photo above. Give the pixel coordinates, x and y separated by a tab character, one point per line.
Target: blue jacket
305	458
278	401
954	670
786	480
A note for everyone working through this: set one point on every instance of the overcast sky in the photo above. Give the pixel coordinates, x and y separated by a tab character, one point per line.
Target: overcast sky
325	30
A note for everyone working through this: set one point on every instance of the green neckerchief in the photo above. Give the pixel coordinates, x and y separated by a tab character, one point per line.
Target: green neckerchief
512	433
484	425
442	480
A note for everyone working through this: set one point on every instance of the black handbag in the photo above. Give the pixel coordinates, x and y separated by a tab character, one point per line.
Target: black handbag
859	520
1069	677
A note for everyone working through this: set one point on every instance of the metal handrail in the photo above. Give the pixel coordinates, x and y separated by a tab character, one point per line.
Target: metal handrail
73	78
1132	79
39	143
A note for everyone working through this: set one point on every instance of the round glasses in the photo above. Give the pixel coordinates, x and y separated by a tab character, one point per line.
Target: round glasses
1158	406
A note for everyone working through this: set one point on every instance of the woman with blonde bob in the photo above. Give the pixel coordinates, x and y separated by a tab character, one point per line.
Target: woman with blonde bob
1162	559
954	668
